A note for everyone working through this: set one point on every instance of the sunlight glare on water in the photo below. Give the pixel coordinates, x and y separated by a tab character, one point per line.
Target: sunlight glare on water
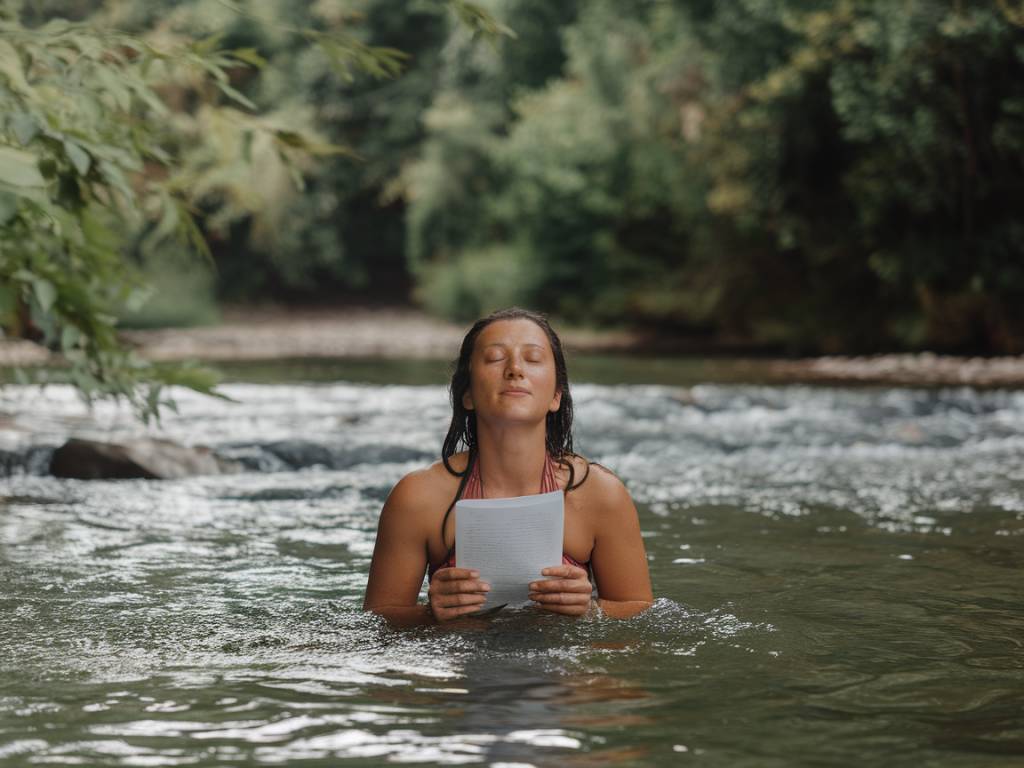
838	573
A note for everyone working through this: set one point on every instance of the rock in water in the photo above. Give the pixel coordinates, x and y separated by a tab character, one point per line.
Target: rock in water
153	459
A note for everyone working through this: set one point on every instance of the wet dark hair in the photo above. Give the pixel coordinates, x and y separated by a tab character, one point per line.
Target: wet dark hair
462	430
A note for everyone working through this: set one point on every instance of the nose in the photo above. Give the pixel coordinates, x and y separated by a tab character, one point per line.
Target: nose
514	368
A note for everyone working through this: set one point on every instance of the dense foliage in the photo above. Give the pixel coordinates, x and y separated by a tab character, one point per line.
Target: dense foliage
81	120
114	146
800	175
816	176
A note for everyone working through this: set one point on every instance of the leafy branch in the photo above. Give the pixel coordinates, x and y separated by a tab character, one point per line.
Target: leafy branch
96	164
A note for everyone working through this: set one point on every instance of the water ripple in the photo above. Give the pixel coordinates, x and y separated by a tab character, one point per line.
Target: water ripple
838	576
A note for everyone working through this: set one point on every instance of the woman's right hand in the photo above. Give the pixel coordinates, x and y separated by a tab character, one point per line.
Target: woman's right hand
455	592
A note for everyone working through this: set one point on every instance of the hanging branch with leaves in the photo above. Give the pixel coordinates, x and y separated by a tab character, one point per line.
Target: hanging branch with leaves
94	162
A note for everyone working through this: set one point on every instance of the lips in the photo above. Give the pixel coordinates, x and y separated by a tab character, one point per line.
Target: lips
515	391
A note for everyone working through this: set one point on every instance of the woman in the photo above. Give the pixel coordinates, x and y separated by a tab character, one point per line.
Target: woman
513	413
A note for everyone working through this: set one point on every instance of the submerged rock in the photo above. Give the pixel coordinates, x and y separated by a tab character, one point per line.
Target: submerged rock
34	460
292	455
302	453
145	458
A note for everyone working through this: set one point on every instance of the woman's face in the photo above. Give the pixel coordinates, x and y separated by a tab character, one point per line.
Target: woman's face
512	373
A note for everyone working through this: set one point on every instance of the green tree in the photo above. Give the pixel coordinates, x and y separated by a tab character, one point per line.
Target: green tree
84	165
816	177
880	153
111	143
568	198
340	235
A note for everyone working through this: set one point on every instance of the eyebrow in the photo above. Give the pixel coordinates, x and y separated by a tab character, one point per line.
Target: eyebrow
500	344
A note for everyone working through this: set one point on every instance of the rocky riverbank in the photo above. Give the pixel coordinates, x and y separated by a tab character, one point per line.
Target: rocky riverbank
406	334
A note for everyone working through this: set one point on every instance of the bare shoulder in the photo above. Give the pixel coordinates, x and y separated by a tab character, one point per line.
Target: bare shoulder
427	487
580	469
604	493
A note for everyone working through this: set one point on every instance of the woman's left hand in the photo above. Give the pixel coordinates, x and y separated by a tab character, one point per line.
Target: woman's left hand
566	590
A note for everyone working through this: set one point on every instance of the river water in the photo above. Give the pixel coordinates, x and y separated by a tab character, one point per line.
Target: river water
839	577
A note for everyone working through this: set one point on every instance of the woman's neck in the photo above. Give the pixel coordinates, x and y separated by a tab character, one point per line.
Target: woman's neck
511	460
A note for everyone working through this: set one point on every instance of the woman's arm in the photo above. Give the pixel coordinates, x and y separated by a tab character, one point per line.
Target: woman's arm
619	560
400	559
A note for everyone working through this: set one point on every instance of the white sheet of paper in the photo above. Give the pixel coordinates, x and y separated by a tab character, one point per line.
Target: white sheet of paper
509	541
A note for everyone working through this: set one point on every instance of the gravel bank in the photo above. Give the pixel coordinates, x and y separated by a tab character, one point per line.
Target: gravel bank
407	334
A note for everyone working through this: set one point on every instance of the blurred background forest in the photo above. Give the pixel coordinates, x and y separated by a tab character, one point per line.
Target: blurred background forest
791	176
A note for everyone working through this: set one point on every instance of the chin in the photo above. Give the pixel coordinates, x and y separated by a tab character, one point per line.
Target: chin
518	415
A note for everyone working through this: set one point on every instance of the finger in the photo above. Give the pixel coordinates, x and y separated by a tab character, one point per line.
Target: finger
456	588
455	574
560	585
463	585
565	572
462	598
560	598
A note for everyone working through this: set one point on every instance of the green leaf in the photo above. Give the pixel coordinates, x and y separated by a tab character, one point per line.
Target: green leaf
247	138
79	158
25	127
152	405
291	138
313	147
293	170
479	20
8	207
137	298
98	235
249	56
19	169
208	45
118	182
56	26
69	337
8	301
193	235
10	65
238	96
189	374
46	293
116	87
